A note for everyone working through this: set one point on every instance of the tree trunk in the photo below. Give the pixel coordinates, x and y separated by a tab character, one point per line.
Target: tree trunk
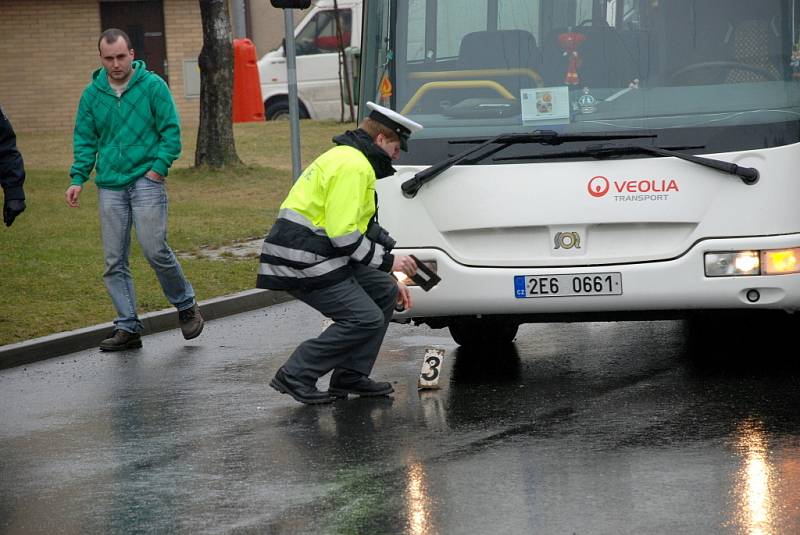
215	143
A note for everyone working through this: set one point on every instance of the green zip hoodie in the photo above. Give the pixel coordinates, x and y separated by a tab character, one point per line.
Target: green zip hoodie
124	137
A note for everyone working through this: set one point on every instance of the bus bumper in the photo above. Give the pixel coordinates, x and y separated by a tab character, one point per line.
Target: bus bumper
675	285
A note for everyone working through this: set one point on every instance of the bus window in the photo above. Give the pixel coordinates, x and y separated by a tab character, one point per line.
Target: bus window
583	12
450	60
454	22
630	15
795	61
415	49
517	15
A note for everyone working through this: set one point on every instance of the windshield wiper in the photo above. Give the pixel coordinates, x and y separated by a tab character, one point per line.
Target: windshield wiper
749	175
546	137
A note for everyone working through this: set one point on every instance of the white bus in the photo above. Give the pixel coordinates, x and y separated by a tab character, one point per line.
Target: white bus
591	159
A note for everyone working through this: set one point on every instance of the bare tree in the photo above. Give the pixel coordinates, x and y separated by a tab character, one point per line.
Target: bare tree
215	143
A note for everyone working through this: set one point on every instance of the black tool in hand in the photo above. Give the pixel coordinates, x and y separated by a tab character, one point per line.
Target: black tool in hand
425	276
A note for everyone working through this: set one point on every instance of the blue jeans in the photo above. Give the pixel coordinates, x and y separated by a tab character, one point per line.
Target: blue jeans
142	205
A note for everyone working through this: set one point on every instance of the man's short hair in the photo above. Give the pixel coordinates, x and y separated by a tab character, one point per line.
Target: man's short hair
373	128
111	35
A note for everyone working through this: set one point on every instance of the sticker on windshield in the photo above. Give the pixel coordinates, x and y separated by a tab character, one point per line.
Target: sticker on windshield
545	104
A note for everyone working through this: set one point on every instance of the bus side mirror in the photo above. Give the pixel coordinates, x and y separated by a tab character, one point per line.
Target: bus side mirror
290	4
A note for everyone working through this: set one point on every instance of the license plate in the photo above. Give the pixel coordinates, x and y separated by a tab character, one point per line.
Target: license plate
573	284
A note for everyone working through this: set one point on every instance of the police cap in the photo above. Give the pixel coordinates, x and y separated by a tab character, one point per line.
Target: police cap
400	125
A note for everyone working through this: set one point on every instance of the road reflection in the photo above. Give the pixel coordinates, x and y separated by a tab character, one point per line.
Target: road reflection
754	481
418	499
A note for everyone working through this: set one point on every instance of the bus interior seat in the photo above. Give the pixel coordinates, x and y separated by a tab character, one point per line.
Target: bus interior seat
750	38
605	58
496	50
501	49
753	42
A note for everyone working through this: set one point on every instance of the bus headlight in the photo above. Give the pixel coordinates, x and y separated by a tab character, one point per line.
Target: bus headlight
733	264
739	263
780	261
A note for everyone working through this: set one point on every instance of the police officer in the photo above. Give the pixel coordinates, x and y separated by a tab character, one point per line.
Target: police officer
12	172
327	250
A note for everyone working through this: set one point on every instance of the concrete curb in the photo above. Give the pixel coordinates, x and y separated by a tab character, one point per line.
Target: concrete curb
58	344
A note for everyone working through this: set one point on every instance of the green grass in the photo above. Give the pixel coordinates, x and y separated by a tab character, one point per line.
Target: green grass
51	259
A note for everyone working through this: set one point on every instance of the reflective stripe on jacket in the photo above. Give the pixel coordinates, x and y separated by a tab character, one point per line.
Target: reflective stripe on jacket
322	224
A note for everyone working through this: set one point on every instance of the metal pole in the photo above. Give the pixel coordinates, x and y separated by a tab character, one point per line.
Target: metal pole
239	27
294	111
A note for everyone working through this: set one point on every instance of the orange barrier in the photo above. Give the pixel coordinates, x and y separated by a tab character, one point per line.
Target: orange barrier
248	106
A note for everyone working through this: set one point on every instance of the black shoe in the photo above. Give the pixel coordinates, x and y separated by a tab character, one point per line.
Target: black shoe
300	391
120	340
191	322
345	382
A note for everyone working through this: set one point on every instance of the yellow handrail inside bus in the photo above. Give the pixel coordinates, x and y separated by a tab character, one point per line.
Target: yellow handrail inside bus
456	84
485	73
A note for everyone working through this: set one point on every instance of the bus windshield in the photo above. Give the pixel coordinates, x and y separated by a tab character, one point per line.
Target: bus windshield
479	68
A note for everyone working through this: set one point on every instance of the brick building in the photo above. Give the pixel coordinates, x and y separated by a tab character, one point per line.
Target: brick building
48	49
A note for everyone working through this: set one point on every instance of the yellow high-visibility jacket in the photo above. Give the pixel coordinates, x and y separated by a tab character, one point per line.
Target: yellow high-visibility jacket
322	225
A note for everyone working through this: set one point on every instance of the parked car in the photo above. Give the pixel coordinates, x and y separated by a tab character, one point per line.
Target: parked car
321	81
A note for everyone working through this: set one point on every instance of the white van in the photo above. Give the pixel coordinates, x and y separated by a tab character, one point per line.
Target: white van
320	86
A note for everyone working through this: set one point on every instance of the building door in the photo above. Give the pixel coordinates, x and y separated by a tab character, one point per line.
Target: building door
143	21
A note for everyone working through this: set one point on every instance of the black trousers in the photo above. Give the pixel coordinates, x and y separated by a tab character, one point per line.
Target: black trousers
361	308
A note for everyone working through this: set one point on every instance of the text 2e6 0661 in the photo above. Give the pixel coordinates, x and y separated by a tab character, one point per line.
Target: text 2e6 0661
570	285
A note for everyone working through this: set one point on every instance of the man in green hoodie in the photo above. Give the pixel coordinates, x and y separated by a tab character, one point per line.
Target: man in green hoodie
127	129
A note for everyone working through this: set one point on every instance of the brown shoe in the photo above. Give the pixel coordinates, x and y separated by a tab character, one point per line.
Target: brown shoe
191	322
120	340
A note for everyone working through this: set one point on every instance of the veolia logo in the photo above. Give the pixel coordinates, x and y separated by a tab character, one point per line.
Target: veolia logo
598	186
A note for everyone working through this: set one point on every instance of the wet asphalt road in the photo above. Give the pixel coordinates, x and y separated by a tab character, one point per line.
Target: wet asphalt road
577	428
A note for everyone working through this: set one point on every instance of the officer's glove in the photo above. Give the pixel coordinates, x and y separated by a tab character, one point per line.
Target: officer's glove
11	209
